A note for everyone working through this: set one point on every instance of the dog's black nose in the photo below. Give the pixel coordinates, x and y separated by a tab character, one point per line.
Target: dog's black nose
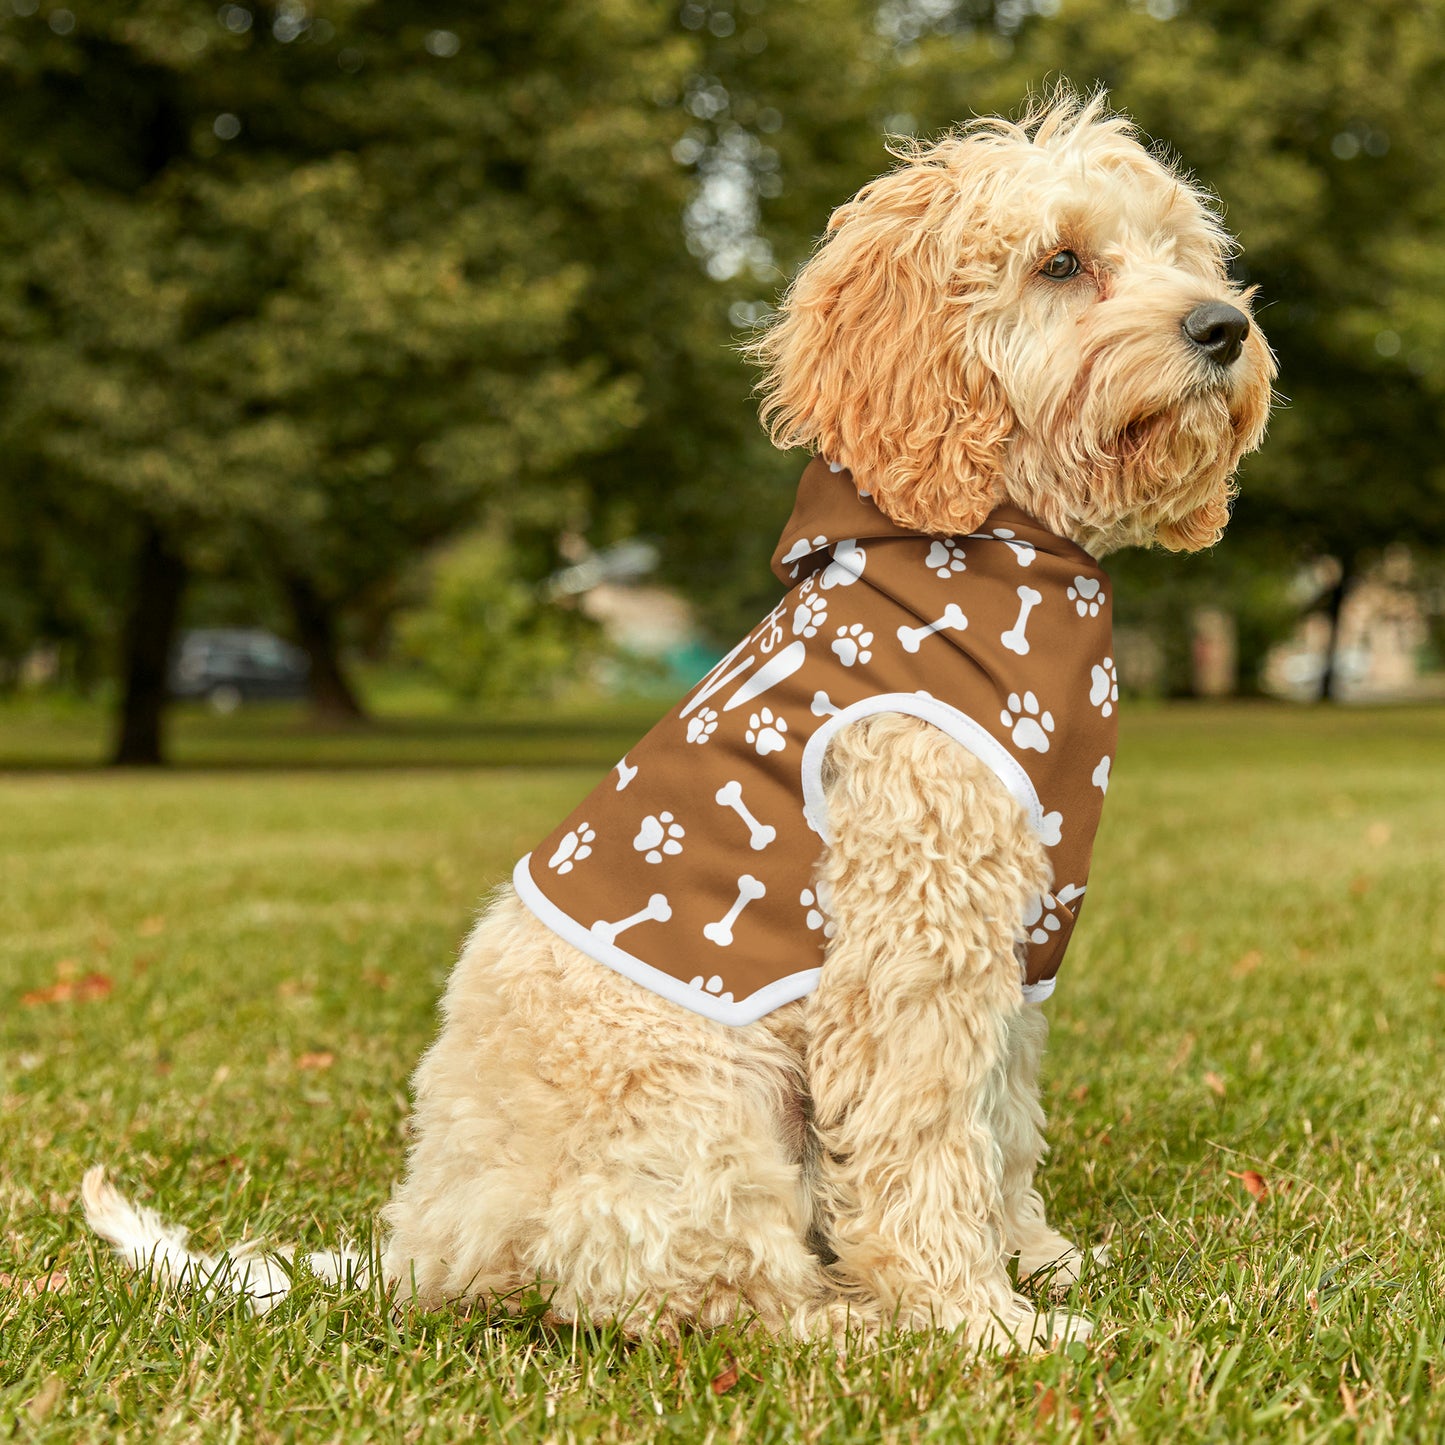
1217	330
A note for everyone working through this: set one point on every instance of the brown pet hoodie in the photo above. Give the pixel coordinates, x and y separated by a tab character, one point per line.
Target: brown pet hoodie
691	867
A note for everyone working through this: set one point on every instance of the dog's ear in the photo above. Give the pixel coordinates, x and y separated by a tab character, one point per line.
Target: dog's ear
873	362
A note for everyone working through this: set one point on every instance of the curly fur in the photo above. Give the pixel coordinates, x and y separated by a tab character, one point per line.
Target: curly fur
865	1156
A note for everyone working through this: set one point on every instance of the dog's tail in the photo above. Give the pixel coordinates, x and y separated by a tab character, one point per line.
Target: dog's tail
147	1243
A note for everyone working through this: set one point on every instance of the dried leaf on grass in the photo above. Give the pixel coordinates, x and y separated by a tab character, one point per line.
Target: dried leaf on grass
321	1059
1254	1182
1246	965
56	1282
723	1382
1214	1083
70	990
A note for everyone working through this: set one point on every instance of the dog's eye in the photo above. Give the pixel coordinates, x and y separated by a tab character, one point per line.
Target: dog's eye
1061	266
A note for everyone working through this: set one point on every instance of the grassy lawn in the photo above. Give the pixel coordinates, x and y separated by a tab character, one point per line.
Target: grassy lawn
217	980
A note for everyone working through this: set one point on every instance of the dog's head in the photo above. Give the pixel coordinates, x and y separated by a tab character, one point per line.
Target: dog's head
1035	312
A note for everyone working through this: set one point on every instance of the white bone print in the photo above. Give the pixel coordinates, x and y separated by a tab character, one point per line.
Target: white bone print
658	910
1016	639
730	795
625	774
1051	829
721	932
1023	551
952	619
823	705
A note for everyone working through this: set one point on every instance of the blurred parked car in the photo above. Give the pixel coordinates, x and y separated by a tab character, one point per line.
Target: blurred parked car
230	665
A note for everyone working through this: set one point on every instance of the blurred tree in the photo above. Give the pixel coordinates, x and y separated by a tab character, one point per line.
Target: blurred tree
480	633
304	280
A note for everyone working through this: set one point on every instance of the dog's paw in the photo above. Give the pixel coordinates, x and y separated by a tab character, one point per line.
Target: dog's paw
1023	1326
1059	1271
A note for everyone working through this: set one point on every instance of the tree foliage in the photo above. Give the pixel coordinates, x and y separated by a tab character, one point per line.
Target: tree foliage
323	284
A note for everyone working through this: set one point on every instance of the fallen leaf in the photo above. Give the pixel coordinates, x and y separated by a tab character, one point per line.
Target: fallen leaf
321	1059
81	990
724	1382
56	1282
1247	964
151	927
1046	1408
1254	1182
1214	1083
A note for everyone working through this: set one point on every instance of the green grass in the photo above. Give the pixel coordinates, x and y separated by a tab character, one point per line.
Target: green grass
1257	985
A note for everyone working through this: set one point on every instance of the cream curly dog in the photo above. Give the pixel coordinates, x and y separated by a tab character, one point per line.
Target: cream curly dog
1036	314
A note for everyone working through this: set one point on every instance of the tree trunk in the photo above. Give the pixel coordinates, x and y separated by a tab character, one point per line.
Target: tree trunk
150	629
333	699
1334	606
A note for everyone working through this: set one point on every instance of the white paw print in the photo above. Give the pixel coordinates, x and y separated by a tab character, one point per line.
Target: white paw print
765	732
1087	596
1041	918
701	727
712	985
573	848
809	615
1104	686
1031	728
803	547
817	912
659	834
946	558
1101	774
1045	915
852	644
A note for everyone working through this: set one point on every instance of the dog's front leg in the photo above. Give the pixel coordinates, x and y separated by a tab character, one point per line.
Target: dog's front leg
1019	1128
930	867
